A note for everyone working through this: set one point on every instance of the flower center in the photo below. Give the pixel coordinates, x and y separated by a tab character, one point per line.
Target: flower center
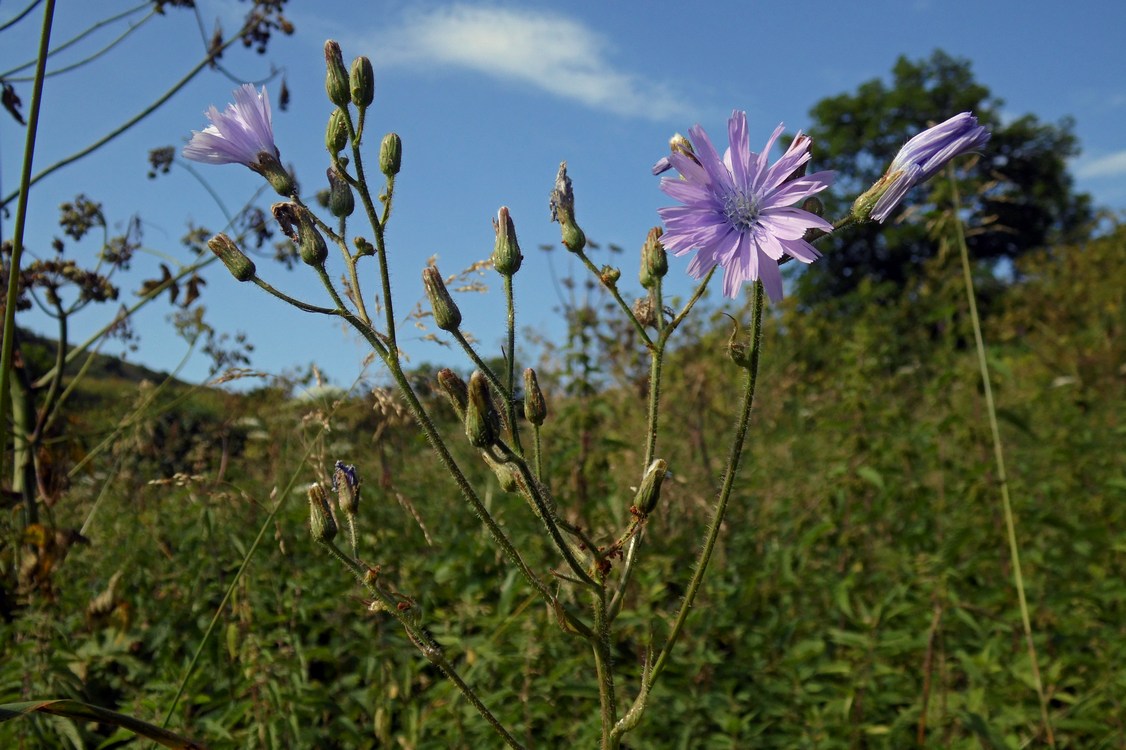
741	209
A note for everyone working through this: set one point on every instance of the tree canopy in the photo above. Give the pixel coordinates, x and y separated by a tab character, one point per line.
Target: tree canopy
1017	194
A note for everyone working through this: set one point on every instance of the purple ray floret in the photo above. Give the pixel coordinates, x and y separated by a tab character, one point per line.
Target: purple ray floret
738	212
238	136
925	154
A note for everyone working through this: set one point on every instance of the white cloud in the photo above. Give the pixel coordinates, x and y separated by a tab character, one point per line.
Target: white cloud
552	52
1111	165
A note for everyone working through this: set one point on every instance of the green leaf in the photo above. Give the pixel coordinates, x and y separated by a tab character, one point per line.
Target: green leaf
86	712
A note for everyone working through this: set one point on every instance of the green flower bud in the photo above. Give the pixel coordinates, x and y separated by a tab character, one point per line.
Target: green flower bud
738	351
563	211
362	82
482	424
322	525
336	75
391	154
347	486
363	247
240	266
455	389
446	315
298	225
506	254
535	408
654	259
609	275
336	134
341	203
650	490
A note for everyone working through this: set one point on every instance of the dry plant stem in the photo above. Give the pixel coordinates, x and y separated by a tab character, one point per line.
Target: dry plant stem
510	356
999	458
713	535
424	642
17	239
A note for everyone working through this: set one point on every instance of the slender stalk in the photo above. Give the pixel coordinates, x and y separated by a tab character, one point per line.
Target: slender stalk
999	459
510	355
600	644
21	219
19	16
613	289
725	493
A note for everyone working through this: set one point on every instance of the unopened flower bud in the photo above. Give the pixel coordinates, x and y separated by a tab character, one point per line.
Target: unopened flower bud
298	225
363	247
506	253
610	275
347	486
362	82
391	154
654	259
240	266
336	75
322	525
506	477
336	134
446	314
650	490
482	424
341	203
455	389
738	351
563	211
535	408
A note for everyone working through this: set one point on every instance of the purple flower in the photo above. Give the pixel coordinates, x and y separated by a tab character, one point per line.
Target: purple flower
922	156
739	213
244	134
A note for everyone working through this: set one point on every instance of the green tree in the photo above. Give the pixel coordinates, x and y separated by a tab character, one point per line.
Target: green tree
1018	192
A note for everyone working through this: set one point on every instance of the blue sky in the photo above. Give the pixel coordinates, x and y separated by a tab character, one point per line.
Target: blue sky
489	97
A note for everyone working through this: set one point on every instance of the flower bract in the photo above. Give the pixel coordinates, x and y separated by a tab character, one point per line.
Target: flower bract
739	212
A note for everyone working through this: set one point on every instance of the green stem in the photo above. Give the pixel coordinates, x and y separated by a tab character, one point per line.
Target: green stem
613	289
510	355
21	219
725	493
999	458
607	700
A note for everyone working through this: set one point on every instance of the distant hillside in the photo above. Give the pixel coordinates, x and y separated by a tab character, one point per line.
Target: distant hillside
39	352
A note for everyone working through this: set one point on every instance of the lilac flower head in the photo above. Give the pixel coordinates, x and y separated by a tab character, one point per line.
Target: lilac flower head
243	134
738	212
922	157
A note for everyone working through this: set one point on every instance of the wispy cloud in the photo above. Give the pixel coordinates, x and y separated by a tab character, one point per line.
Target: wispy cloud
1110	165
547	50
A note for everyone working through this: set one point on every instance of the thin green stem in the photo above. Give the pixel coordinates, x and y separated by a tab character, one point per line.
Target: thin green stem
607	699
21	219
613	289
999	459
741	428
510	356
